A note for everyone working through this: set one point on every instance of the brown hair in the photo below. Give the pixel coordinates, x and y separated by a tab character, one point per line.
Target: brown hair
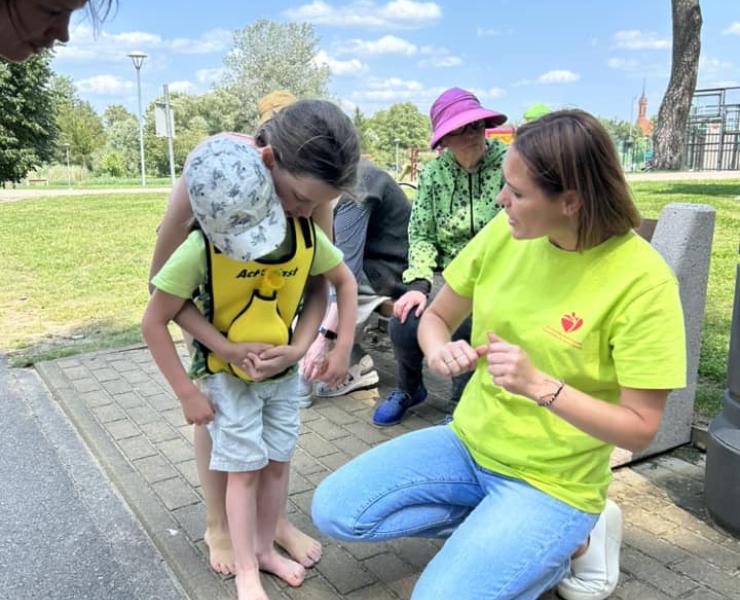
99	10
569	150
314	138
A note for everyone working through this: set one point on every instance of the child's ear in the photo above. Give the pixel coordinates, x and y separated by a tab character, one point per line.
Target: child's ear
268	157
571	203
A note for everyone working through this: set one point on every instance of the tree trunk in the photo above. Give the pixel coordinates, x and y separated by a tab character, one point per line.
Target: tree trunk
670	132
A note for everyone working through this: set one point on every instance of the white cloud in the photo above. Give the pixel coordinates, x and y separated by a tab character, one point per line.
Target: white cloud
136	38
388	44
623	64
208	76
713	66
634	39
494	92
188	87
109	85
397	14
482	32
558	76
215	40
439	57
733	29
340	67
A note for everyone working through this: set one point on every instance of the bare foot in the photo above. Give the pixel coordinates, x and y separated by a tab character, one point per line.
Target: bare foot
286	569
220	552
249	586
301	547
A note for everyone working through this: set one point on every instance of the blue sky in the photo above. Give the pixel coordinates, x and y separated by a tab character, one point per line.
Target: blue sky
592	54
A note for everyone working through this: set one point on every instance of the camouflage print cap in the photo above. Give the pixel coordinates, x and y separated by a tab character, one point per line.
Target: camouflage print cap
233	197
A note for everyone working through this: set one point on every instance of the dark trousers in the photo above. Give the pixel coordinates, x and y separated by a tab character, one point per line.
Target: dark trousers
409	357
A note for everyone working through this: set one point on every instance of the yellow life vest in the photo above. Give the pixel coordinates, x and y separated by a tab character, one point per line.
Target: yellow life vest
256	301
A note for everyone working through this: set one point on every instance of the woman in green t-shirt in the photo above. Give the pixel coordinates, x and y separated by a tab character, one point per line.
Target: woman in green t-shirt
577	339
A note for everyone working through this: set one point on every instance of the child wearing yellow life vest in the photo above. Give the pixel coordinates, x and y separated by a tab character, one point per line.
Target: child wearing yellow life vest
248	266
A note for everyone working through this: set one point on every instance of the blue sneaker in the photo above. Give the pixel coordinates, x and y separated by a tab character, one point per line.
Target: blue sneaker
394	407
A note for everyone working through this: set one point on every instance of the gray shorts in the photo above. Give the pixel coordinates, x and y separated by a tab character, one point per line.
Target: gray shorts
254	422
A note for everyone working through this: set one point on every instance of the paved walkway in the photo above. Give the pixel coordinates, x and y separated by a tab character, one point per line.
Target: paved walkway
130	420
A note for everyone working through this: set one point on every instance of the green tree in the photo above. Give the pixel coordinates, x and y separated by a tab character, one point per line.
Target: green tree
27	128
120	155
78	123
402	122
267	56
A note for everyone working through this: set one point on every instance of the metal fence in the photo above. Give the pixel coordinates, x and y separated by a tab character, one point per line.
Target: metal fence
713	130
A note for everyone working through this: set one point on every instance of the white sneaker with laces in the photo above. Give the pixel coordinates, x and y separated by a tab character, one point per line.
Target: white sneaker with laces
304	389
361	376
594	575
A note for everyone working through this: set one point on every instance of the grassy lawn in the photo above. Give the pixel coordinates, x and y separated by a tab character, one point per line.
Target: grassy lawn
75	271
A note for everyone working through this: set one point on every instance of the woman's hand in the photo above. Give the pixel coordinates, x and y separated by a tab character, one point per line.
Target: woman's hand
335	367
314	362
270	362
406	303
511	368
455	358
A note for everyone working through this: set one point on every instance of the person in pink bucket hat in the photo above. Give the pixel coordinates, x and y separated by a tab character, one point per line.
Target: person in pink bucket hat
455	200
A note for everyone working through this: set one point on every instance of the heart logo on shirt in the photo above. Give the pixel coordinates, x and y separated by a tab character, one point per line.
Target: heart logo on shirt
571	322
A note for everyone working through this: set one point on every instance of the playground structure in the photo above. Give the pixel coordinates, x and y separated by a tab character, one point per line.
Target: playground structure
713	130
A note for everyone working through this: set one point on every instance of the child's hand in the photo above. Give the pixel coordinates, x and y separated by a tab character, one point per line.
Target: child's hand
335	367
241	354
197	408
272	361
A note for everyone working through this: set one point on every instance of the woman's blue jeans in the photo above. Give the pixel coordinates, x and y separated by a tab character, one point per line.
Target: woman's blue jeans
505	538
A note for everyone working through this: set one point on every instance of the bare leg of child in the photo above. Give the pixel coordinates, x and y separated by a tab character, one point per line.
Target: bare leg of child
270	503
241	507
301	547
216	537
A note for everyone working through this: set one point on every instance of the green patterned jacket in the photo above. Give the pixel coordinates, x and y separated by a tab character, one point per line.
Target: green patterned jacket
451	206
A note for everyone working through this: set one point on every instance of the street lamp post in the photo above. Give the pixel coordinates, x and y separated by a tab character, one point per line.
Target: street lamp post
138	59
397	142
69	173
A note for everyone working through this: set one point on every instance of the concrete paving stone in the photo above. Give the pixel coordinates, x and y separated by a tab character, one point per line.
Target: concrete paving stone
635	589
304	463
95	398
364	550
389	568
129	399
646	568
141	415
109	413
647	543
162	402
333	461
154	468
722	556
642	518
367	433
133	375
302	500
124	365
374	592
189	471
175	493
317	478
187	432
68	363
314	589
352	403
174	416
308	414
192	519
710	576
682	467
77	372
315	445
148	388
177	450
117	386
343	571
351	445
416	551
298	484
335	414
159	431
120	430
703	593
326	429
87	385
105	374
137	447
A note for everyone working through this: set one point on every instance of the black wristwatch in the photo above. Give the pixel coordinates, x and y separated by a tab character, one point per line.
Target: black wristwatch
328	333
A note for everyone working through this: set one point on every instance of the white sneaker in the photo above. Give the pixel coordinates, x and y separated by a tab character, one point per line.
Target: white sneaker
594	575
361	376
304	389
